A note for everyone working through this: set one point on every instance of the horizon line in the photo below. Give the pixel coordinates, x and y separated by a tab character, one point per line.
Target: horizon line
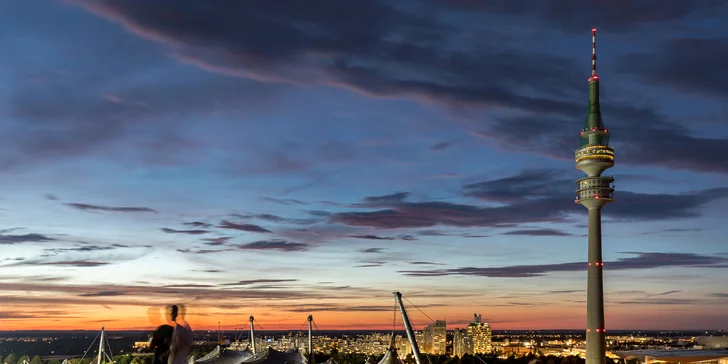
384	330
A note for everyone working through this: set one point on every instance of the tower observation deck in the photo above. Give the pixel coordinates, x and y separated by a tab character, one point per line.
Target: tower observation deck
593	157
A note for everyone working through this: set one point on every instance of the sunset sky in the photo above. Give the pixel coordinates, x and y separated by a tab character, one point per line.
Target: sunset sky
286	158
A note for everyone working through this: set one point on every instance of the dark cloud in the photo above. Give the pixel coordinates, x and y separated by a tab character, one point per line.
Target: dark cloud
103	294
614	16
87	207
284	201
440	55
538	232
280	245
25	238
566	291
432	233
259	281
203	251
661	301
526	185
718	295
655	140
337	307
189	285
197	224
60	103
446	57
84	248
242	227
372	250
386	200
688	64
636	261
531	196
85	255
425	263
55	294
188	232
216	241
428	214
50	197
663	293
276	219
375	237
439	147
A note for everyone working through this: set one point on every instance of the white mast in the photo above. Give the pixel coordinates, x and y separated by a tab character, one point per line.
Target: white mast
252	334
408	329
310	338
101	346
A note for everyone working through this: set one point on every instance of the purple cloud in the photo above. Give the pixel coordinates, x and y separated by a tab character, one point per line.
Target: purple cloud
280	245
637	261
242	227
88	207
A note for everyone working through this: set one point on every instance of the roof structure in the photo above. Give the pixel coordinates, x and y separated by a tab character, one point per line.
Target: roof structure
273	356
674	355
391	357
220	356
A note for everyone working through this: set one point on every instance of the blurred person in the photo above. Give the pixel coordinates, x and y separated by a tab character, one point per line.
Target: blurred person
162	335
182	339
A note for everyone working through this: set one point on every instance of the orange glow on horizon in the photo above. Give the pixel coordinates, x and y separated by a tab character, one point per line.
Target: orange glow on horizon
206	318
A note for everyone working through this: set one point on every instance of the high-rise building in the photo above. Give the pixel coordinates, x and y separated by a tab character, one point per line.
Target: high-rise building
420	339
448	344
461	343
593	157
481	335
437	333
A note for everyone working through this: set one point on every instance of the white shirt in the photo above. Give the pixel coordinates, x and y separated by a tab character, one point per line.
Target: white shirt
179	349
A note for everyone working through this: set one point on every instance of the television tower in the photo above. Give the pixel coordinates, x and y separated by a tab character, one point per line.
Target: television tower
593	157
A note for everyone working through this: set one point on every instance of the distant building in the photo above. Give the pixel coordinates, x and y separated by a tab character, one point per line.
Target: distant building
461	343
141	345
481	335
712	342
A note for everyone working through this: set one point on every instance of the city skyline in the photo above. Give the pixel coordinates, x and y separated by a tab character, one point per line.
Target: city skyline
278	163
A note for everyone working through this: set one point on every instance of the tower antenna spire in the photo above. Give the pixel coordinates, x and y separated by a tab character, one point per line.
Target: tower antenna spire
594	55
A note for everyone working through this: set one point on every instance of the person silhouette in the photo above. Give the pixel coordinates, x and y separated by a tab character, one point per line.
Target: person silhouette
161	337
182	338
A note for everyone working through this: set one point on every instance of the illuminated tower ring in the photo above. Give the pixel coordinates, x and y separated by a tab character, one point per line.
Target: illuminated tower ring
593	157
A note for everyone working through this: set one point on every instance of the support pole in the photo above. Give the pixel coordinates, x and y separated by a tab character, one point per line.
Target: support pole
101	346
252	334
310	338
408	328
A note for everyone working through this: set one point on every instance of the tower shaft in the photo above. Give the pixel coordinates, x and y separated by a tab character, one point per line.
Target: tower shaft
595	335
